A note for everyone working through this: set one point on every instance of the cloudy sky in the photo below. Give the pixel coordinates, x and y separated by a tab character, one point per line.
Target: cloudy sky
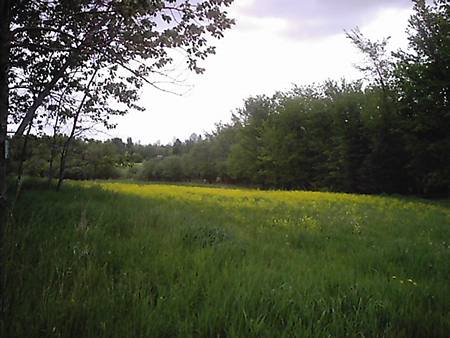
274	44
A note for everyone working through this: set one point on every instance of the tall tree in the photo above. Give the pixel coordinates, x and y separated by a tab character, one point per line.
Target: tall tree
245	158
423	79
386	163
4	98
377	64
4	64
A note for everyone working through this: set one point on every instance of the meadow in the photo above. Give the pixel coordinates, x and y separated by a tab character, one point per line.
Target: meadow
103	259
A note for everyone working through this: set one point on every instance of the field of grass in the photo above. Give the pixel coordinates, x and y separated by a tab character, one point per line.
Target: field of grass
128	260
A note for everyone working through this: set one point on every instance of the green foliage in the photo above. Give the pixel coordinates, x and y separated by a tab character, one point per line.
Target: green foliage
245	160
59	45
423	76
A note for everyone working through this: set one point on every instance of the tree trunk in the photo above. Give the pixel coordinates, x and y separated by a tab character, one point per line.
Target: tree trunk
70	61
62	162
22	157
52	151
5	7
4	94
42	95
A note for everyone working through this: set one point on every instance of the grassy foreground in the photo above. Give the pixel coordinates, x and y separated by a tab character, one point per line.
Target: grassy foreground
127	260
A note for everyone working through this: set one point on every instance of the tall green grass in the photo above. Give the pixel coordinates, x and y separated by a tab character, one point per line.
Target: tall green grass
123	260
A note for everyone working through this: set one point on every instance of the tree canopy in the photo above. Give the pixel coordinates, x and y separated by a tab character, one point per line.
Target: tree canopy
56	49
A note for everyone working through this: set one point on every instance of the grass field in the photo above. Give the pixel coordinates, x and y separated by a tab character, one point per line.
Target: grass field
128	260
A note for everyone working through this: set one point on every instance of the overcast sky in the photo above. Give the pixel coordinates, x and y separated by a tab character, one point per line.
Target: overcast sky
274	44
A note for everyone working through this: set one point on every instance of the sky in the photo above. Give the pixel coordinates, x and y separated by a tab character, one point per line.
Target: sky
274	44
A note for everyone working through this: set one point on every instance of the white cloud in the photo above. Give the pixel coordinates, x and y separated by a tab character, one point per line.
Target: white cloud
309	19
255	57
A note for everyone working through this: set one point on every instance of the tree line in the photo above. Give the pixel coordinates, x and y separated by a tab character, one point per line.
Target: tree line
388	133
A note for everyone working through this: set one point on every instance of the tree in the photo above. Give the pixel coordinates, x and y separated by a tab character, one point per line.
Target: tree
244	162
129	39
177	147
76	118
377	64
221	141
4	101
423	82
386	162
